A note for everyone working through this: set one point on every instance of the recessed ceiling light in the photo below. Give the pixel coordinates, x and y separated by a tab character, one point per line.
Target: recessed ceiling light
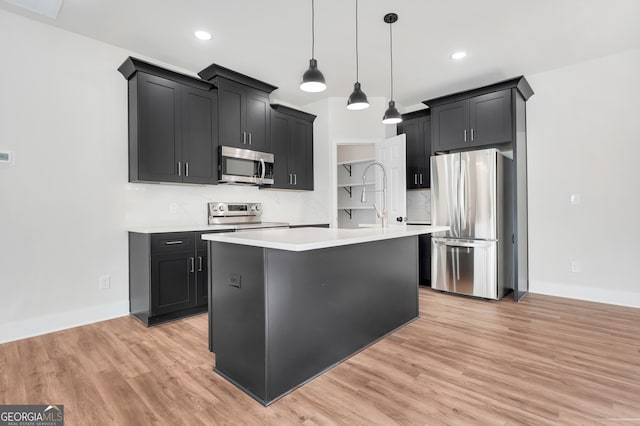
458	55
202	35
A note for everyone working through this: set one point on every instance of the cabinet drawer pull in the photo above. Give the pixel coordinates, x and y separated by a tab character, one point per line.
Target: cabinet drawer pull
465	135
179	168
199	263
249	138
415	178
192	261
295	179
471	135
186	169
290	179
420	178
244	138
170	243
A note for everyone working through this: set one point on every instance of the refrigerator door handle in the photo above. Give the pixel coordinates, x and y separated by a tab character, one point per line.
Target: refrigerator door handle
462	196
462	243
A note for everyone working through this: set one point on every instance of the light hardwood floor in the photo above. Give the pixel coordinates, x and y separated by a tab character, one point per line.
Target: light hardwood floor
543	361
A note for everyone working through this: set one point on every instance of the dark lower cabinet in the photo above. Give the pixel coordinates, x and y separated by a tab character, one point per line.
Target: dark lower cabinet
167	276
417	128
292	147
424	259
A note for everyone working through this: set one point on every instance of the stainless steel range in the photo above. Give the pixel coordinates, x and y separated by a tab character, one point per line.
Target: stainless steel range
242	216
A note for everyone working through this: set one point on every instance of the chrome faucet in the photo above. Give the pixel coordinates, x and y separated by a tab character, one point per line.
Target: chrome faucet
383	216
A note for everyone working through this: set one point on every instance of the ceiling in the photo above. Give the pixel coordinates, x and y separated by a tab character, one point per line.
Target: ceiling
271	40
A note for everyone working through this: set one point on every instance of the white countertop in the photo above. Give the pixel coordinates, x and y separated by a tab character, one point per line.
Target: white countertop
188	228
180	228
303	239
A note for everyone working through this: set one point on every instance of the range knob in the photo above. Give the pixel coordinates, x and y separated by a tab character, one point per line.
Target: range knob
221	207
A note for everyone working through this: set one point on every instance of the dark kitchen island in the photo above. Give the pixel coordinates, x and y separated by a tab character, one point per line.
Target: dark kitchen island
286	305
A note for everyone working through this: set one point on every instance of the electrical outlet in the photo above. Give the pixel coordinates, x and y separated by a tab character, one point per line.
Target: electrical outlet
574	199
105	282
575	266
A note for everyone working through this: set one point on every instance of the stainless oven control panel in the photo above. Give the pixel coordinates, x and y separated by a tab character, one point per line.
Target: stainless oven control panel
234	209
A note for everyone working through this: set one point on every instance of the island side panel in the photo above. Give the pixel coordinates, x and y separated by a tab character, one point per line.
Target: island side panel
324	305
237	315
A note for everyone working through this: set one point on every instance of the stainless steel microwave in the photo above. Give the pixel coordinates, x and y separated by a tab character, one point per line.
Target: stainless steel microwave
244	167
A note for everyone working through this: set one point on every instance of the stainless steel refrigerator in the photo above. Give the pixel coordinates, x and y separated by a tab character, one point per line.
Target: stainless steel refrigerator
472	194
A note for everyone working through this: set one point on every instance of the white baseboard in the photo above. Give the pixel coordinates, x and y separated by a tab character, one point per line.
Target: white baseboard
591	294
42	325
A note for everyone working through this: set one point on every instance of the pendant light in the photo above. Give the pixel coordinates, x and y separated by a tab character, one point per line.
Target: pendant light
312	79
357	100
391	115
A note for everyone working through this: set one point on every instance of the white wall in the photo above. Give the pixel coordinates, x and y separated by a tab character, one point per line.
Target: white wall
584	138
65	204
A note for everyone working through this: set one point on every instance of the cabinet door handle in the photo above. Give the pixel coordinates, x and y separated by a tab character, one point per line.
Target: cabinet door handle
290	179
415	178
465	135
170	243
471	135
186	169
249	138
199	263
295	179
192	262
420	178
244	138
179	168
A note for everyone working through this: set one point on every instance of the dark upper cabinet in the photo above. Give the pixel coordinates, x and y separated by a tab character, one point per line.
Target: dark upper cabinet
244	116
172	125
258	123
417	128
199	135
490	118
450	126
475	118
292	147
477	121
158	135
243	108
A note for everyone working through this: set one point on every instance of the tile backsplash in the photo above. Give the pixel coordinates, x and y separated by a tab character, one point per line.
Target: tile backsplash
419	205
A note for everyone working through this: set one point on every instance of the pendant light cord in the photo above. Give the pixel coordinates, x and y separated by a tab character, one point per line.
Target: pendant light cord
391	50
357	59
313	30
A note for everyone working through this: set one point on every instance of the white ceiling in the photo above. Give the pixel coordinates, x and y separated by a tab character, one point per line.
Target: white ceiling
271	40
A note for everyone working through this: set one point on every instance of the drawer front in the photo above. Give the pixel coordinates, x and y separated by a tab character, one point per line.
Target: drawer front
172	242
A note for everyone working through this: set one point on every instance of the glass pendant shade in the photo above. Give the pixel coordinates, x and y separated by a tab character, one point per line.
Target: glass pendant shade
312	79
392	115
357	99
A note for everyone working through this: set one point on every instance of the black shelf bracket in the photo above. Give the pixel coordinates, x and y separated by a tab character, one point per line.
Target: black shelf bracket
347	167
349	212
349	190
